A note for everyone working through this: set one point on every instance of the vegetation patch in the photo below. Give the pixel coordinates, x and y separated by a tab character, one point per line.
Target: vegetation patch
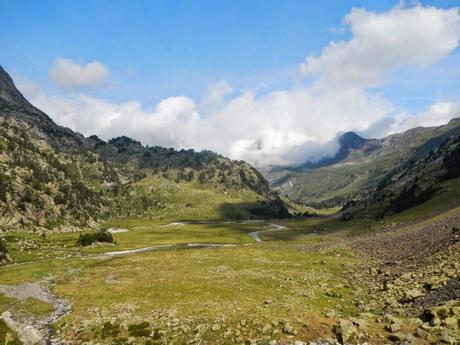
7	336
139	330
90	238
110	329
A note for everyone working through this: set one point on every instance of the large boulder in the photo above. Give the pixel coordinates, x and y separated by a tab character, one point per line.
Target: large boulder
347	332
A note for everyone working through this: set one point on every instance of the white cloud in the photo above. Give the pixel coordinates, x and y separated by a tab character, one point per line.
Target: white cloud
213	100
284	126
437	114
170	123
71	74
417	36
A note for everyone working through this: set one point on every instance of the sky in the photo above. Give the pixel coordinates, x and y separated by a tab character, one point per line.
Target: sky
270	82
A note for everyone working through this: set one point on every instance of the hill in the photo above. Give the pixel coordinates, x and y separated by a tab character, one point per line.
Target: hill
419	179
359	168
52	176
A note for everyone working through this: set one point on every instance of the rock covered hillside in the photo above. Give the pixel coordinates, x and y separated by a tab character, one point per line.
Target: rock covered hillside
52	176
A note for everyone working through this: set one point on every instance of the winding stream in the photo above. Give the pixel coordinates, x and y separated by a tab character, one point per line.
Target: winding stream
254	234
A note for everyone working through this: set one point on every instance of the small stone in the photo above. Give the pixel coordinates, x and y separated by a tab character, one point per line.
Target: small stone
238	339
410	295
346	332
266	328
397	337
419	332
289	329
394	327
447	339
329	313
451	322
215	327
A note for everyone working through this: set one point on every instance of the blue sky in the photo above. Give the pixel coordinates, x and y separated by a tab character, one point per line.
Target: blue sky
158	49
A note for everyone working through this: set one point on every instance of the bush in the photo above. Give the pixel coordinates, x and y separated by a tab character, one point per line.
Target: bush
139	330
100	236
110	330
3	252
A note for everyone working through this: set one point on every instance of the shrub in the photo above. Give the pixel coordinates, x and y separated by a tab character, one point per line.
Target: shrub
3	252
110	330
88	239
139	330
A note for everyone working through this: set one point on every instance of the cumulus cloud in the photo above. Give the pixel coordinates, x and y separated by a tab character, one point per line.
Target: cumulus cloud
172	122
417	36
71	74
284	126
437	114
213	100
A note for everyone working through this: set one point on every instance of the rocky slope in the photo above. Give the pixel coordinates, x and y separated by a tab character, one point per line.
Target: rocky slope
52	176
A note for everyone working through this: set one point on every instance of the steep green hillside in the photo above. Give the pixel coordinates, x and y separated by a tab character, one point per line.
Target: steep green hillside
51	176
416	181
361	168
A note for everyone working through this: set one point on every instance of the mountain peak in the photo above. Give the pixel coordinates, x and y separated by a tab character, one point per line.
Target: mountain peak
9	94
13	105
351	140
347	142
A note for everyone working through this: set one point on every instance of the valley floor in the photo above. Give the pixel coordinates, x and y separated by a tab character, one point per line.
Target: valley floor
289	282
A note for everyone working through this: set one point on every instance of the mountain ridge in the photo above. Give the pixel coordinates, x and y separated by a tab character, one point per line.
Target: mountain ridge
361	168
52	176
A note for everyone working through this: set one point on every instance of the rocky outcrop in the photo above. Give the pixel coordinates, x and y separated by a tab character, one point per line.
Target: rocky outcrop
29	335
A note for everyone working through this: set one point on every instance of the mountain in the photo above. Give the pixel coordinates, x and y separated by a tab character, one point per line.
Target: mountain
358	167
14	106
54	177
347	143
421	178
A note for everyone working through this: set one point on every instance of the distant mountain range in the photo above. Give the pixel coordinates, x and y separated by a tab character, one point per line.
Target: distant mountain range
361	166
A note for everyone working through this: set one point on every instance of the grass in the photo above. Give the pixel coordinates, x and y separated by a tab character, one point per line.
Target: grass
204	286
447	199
190	200
7	336
27	308
143	233
153	234
258	283
234	282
